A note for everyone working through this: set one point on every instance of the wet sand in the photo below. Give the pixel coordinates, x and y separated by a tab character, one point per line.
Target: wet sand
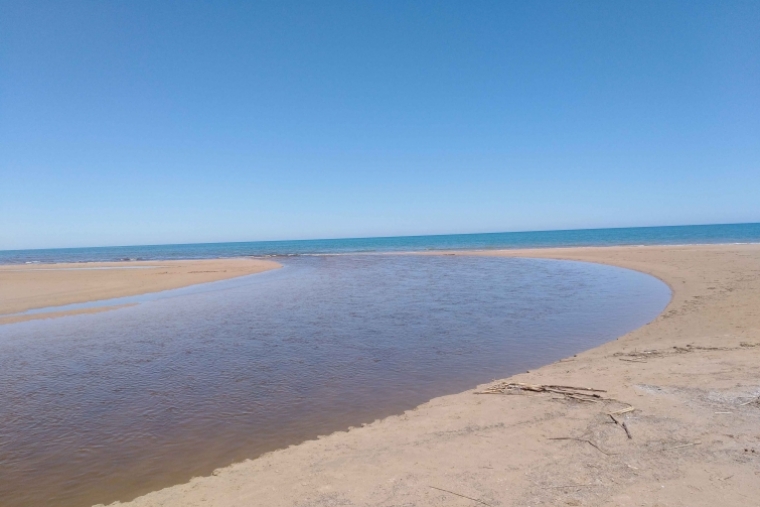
32	286
683	391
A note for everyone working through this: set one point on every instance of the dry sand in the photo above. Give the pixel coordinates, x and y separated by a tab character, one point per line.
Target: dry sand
692	377
33	286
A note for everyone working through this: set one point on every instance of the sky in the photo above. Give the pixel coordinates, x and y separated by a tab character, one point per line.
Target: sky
147	122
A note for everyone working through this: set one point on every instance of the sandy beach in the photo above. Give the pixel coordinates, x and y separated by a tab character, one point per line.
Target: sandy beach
32	286
673	418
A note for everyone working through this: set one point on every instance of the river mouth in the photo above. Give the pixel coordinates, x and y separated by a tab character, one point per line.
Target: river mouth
109	406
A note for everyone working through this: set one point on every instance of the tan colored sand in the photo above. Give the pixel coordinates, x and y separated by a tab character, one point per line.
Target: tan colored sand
54	315
696	427
32	286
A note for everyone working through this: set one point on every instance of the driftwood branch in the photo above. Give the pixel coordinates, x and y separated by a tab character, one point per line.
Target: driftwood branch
571	486
625	410
589	442
576	393
682	446
622	425
462	496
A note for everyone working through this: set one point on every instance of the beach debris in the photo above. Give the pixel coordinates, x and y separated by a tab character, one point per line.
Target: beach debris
576	393
571	486
689	444
753	400
655	353
629	408
586	440
622	425
462	496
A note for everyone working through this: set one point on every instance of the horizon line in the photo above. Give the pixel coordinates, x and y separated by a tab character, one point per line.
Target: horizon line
348	238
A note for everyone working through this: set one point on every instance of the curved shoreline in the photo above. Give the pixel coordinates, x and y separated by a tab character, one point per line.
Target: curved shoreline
51	286
691	376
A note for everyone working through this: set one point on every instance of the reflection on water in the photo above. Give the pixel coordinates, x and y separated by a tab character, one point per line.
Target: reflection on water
95	408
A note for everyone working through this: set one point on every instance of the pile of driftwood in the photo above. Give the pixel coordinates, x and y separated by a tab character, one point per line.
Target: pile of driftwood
576	393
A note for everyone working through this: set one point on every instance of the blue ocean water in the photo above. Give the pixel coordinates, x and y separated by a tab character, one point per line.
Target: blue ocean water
673	235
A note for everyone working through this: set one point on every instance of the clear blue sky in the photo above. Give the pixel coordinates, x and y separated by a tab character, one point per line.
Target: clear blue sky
138	122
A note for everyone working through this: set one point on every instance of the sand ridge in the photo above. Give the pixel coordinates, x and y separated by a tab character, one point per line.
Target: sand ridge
32	286
692	378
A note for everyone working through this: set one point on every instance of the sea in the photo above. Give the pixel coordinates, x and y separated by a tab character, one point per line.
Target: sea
670	235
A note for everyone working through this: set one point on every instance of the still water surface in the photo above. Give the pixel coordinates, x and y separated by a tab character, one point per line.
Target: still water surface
103	407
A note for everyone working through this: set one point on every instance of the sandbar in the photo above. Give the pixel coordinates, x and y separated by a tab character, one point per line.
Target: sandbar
676	421
34	286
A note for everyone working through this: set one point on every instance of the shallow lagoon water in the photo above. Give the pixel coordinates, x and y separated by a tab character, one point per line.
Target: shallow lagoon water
103	407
